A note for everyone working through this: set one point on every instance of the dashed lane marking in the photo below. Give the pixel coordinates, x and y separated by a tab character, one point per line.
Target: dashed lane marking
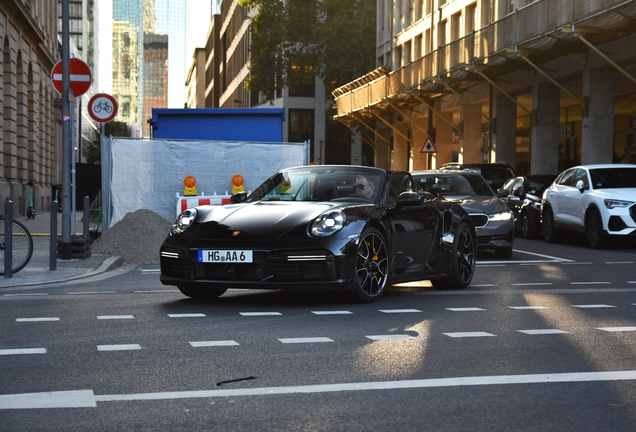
465	309
390	337
542	331
335	312
115	317
593	306
199	344
187	315
617	329
469	334
254	314
43	319
122	347
305	340
17	351
398	311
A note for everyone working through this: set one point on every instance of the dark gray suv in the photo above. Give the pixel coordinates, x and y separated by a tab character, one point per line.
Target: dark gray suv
495	174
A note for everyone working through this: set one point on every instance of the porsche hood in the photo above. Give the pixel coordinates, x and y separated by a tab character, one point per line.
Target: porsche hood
259	219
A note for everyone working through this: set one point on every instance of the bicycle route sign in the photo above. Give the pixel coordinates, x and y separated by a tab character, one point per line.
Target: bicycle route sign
102	108
80	77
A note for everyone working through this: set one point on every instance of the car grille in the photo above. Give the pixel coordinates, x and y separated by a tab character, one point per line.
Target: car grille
175	267
480	220
274	271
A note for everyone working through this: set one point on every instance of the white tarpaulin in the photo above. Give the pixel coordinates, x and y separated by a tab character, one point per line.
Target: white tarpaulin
148	174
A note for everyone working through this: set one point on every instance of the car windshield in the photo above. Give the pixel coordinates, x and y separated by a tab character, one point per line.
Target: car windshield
538	184
606	178
451	185
321	183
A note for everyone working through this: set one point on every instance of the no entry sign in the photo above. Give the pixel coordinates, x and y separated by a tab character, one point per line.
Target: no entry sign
102	108
79	75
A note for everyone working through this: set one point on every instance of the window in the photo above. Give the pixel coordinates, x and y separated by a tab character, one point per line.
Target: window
301	125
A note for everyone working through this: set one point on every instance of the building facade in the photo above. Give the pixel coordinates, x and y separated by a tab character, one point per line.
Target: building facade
30	112
540	84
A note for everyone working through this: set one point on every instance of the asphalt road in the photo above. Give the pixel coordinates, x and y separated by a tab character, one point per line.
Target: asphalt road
543	341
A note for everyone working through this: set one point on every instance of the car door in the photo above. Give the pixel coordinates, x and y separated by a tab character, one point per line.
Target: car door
412	227
575	206
558	193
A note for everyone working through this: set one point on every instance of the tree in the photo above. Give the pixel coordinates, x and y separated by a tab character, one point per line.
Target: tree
294	41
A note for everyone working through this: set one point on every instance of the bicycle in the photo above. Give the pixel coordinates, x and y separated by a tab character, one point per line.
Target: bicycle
22	246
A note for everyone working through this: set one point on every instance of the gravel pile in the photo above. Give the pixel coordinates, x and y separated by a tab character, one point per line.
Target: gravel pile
136	238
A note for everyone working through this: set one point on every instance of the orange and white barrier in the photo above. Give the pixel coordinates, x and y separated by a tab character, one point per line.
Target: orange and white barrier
186	202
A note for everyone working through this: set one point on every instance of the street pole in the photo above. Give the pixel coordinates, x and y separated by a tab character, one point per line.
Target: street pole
65	250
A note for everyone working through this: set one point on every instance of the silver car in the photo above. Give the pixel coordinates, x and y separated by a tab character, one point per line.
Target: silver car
494	222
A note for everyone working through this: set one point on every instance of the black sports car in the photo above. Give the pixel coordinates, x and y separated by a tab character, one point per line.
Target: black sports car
346	227
524	199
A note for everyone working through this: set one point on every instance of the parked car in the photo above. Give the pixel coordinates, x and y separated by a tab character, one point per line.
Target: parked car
493	221
598	200
524	200
348	228
495	173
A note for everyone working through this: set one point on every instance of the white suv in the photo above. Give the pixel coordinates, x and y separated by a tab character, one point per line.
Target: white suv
598	200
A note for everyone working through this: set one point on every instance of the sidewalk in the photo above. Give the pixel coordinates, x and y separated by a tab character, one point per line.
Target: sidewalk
38	272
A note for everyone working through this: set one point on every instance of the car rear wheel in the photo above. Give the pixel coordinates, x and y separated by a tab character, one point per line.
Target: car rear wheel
201	292
371	267
550	234
596	236
462	262
528	228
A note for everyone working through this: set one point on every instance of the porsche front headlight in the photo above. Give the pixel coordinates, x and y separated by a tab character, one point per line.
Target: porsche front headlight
184	220
498	217
328	223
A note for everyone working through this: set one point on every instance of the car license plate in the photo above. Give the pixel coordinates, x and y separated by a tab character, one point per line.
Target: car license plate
225	256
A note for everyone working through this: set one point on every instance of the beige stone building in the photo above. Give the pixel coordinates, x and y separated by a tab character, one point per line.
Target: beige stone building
542	85
30	112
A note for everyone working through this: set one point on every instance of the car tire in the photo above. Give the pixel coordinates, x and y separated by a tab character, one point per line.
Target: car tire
528	227
462	262
503	253
550	234
596	236
371	269
201	292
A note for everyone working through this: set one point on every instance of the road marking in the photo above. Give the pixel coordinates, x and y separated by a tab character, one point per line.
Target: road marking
393	311
590	283
156	291
619	262
305	340
23	351
150	271
252	314
25	295
124	347
390	337
58	399
592	306
187	315
331	312
528	307
468	334
87	399
466	309
213	343
114	317
577	263
543	331
92	292
617	329
533	284
37	319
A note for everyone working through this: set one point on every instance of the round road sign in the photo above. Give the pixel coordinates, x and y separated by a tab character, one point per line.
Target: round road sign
102	107
79	75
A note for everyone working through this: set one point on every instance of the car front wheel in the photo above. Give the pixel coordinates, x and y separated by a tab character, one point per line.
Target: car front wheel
596	236
201	292
371	267
550	234
462	260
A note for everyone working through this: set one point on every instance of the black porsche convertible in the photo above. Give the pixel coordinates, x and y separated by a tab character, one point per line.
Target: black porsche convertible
345	227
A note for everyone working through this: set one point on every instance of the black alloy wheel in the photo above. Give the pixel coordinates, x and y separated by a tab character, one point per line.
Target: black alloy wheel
201	292
550	234
371	266
596	236
462	261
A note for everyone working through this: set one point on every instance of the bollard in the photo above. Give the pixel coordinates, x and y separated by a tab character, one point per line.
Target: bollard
53	242
86	214
8	239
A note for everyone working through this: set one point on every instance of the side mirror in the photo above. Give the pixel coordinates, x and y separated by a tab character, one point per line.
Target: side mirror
410	198
238	197
502	193
580	185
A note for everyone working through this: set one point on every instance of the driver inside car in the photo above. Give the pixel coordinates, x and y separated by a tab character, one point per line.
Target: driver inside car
364	187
